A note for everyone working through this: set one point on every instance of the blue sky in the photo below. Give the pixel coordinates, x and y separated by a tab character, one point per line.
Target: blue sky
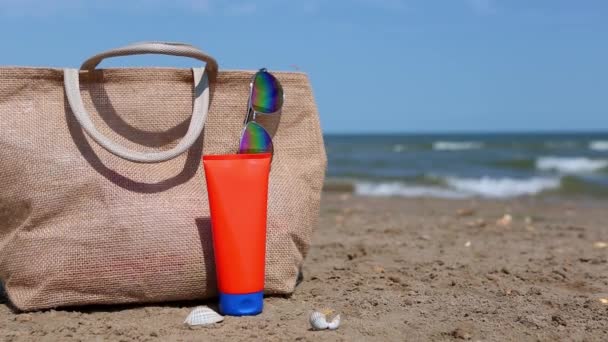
375	65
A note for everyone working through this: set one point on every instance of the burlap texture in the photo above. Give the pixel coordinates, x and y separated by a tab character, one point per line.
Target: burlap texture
80	226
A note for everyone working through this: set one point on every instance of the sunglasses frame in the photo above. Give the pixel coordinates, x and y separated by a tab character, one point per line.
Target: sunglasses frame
251	113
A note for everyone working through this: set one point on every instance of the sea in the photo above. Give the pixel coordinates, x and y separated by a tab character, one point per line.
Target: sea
470	165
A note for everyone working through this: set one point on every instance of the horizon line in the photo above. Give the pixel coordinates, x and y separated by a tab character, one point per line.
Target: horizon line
439	132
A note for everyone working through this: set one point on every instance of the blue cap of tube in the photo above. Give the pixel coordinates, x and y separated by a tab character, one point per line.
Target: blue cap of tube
241	304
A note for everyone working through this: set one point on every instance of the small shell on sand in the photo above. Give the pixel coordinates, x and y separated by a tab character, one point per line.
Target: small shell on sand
600	244
505	221
604	300
318	321
202	315
334	324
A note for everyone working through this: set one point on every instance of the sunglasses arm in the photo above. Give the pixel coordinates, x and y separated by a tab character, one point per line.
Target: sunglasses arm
249	109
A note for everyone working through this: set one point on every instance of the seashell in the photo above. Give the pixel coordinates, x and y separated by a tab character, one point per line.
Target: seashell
505	221
202	315
600	244
318	321
334	324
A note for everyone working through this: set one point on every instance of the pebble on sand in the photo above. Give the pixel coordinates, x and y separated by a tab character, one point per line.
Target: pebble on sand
379	269
462	333
479	223
465	212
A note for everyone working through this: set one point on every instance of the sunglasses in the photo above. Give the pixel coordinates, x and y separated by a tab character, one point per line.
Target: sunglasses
265	97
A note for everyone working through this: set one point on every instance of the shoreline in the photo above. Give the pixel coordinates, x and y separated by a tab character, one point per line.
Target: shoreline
349	186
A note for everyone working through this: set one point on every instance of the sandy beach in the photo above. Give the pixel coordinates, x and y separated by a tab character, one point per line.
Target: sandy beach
403	269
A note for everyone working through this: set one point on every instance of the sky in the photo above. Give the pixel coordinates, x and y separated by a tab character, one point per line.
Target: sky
376	66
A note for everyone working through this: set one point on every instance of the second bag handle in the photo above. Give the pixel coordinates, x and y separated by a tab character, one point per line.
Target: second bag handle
200	107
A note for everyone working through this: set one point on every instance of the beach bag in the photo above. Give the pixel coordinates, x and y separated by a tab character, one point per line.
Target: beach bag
102	192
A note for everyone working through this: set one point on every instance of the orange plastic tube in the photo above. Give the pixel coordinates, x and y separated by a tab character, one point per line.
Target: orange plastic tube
237	185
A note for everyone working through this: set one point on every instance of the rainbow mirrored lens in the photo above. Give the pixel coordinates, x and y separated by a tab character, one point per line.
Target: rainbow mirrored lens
255	139
267	93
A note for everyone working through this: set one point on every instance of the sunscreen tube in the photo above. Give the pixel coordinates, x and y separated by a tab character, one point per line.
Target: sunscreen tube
237	185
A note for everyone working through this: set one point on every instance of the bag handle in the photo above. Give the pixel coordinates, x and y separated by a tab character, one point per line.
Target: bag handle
200	107
161	48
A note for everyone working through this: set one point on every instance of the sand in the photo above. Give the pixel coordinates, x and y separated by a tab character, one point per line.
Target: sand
403	269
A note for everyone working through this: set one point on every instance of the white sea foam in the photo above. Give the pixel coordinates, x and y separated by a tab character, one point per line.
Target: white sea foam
456	145
599	145
570	165
403	190
463	188
399	148
503	187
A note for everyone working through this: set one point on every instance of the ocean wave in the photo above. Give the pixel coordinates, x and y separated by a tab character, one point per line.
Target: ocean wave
503	187
560	144
404	190
458	188
570	165
456	145
599	145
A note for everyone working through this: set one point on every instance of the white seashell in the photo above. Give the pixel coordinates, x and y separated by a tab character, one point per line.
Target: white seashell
600	244
318	321
334	324
202	315
505	221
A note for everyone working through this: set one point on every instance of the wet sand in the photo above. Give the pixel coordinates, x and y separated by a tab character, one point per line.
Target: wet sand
403	269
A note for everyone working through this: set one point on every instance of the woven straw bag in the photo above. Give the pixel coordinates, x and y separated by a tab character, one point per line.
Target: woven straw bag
102	194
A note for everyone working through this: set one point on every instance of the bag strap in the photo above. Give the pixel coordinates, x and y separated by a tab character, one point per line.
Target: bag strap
200	107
